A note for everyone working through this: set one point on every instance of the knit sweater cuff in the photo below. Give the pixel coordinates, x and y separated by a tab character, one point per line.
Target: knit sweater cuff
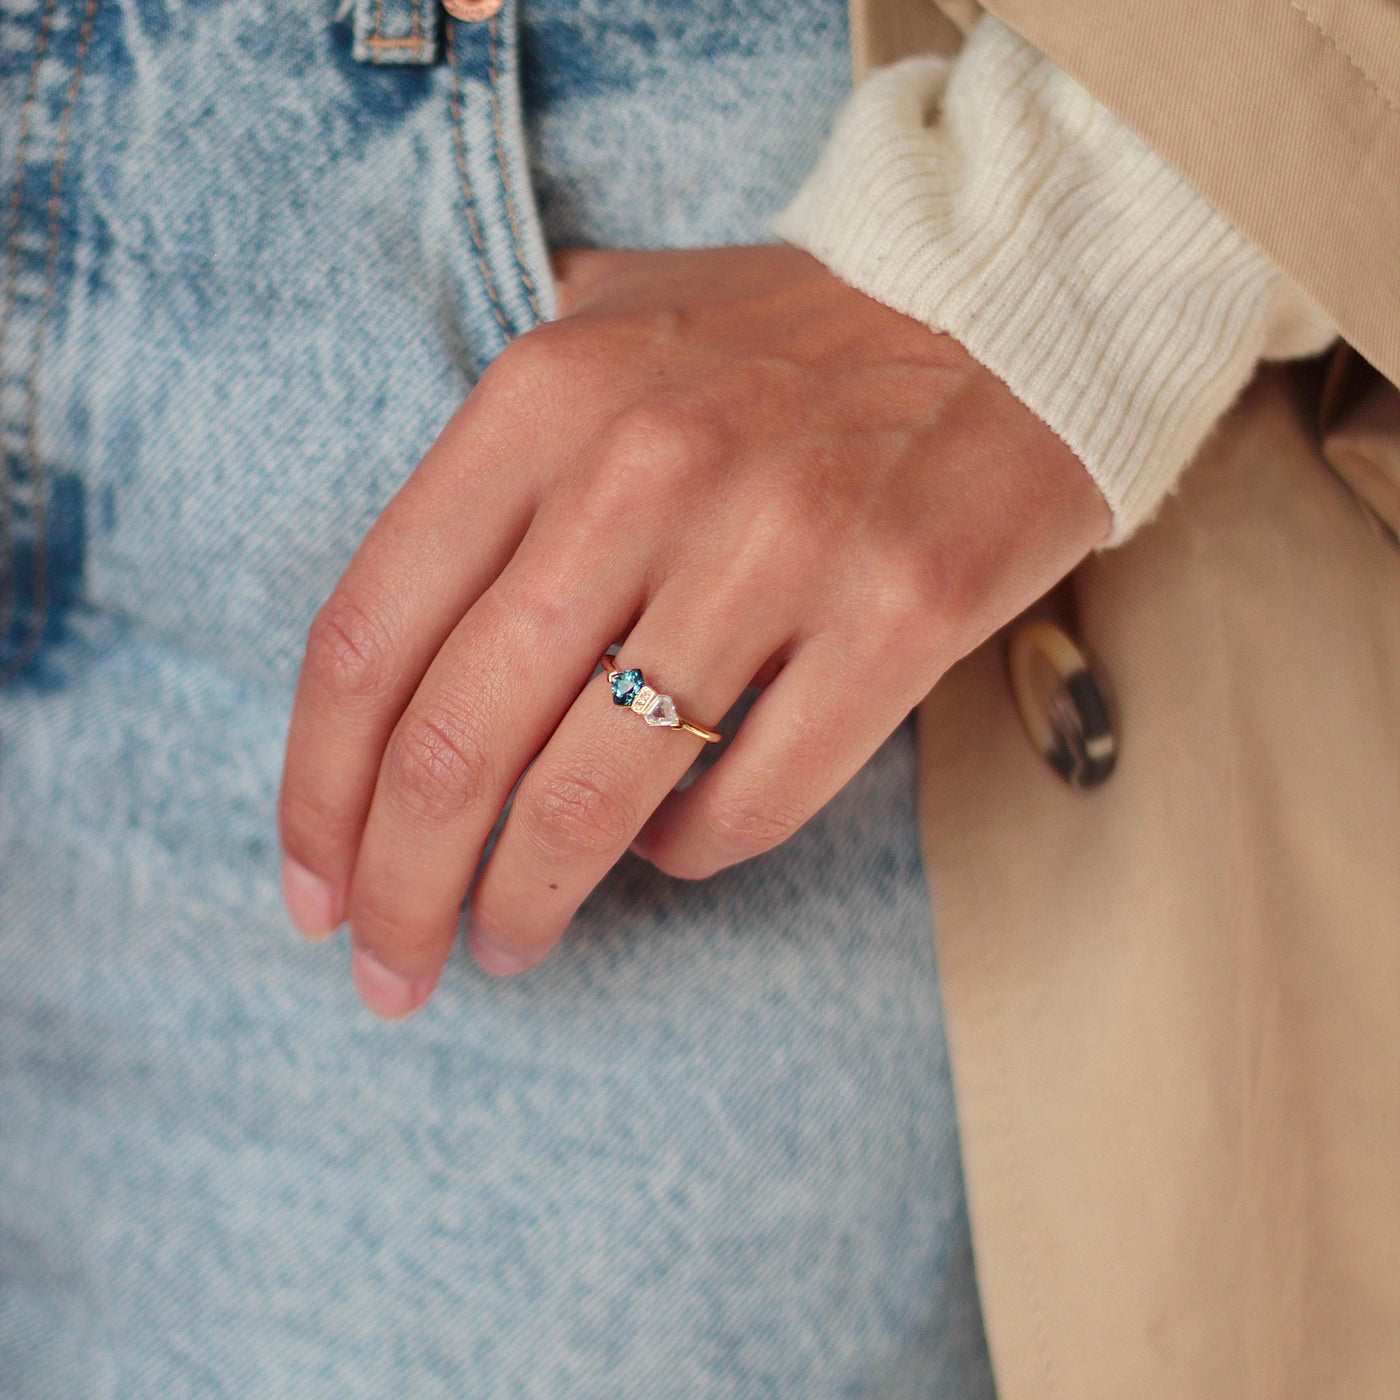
992	197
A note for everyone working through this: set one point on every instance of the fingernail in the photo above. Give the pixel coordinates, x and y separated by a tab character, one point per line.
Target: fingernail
389	995
498	961
309	900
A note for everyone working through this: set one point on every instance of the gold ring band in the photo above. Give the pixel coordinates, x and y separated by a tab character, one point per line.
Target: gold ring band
630	688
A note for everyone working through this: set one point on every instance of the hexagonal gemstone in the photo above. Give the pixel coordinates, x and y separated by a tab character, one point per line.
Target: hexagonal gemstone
661	709
625	685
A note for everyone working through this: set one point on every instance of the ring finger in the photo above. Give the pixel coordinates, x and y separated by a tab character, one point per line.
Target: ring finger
604	771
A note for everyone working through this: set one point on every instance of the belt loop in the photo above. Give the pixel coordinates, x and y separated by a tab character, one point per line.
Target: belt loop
513	287
396	31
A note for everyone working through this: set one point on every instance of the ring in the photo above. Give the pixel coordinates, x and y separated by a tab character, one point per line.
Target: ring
630	689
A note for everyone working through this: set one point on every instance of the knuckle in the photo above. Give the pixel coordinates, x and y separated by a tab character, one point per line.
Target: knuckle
776	541
437	764
531	377
944	585
681	861
572	813
901	608
312	831
532	360
654	430
542	603
538	371
653	452
392	939
349	649
747	824
509	932
896	608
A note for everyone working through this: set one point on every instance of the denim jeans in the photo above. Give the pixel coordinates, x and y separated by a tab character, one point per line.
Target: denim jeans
254	254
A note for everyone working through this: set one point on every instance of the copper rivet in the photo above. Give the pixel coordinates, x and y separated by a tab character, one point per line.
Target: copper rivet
473	11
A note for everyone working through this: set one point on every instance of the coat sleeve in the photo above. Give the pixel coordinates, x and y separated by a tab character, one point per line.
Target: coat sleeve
993	197
1285	114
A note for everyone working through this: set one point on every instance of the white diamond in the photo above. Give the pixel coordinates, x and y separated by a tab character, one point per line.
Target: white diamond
662	710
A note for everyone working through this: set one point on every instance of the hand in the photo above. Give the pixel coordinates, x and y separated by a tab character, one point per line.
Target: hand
748	472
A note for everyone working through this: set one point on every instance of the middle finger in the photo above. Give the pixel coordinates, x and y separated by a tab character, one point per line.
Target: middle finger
481	713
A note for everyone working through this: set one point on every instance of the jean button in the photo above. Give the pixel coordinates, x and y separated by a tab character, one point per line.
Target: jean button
473	11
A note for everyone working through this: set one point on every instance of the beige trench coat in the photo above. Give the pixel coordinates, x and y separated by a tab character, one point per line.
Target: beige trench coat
1174	1001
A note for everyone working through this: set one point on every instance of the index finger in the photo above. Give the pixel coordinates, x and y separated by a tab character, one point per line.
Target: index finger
437	547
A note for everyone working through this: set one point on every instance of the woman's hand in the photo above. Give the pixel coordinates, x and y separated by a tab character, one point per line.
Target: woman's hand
746	471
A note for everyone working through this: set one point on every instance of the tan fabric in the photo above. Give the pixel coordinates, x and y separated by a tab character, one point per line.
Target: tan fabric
992	197
1285	114
882	33
1363	446
1174	1002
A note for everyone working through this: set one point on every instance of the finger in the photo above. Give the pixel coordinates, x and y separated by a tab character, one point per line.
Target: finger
576	272
439	544
803	739
488	702
604	771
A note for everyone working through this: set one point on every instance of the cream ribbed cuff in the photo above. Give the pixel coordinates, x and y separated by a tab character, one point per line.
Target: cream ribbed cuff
994	198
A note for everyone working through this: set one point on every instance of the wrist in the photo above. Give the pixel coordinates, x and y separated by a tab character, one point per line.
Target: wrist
1027	222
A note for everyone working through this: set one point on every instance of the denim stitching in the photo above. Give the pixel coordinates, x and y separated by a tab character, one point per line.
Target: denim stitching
497	308
33	461
375	39
7	556
531	292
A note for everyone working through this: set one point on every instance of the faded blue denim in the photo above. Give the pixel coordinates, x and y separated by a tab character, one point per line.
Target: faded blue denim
254	254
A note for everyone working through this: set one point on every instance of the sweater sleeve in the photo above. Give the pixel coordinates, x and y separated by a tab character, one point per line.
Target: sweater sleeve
994	198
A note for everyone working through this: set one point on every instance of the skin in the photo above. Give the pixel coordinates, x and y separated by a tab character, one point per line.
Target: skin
741	469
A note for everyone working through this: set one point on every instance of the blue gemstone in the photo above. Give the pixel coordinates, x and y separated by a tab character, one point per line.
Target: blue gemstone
625	686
